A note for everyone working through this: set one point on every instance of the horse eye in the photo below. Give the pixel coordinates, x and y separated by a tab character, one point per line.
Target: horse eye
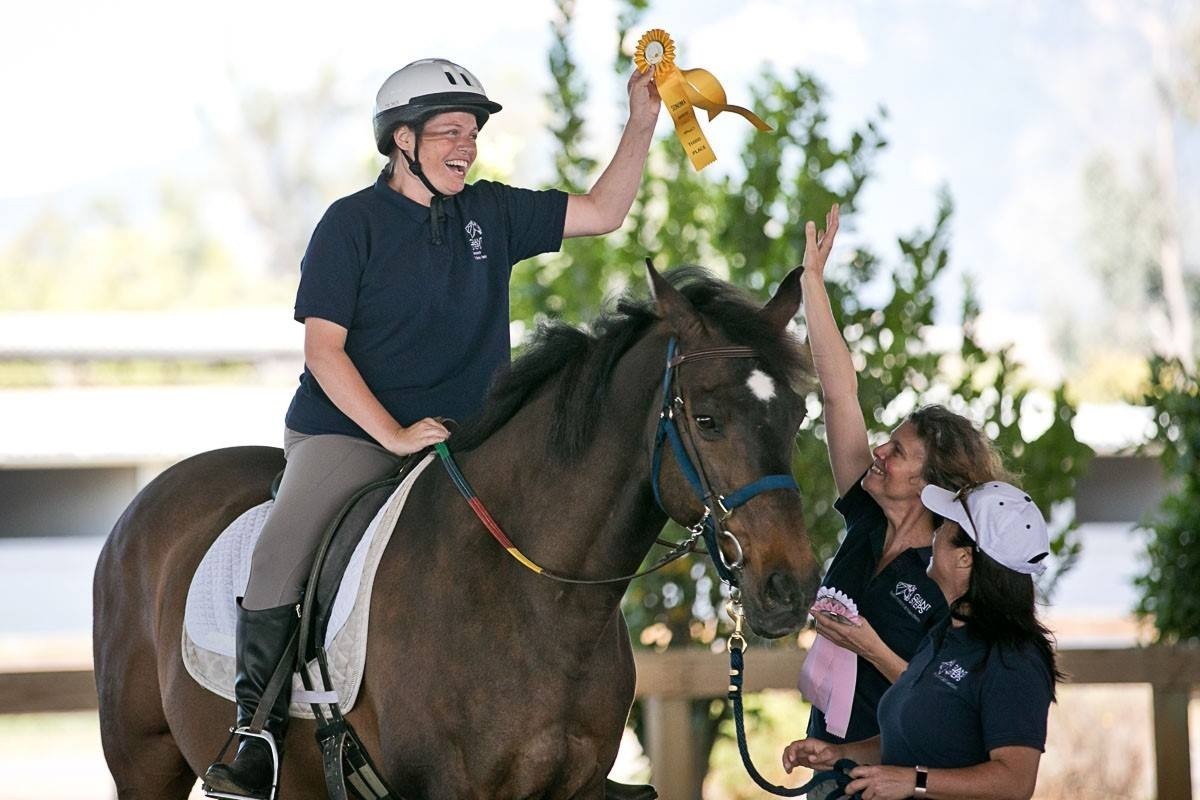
705	422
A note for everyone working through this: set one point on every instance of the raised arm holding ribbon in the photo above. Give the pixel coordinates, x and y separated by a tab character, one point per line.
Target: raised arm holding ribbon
603	209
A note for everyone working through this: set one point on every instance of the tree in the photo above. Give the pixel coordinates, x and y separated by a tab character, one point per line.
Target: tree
274	152
1137	225
749	227
178	252
1138	235
107	257
1168	586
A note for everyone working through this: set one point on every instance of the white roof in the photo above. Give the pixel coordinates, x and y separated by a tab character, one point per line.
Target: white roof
134	425
217	335
137	425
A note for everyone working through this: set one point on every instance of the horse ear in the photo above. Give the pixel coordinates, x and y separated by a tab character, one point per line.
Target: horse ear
672	306
781	308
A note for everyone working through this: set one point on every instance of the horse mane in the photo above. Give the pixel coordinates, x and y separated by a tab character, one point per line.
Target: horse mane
584	360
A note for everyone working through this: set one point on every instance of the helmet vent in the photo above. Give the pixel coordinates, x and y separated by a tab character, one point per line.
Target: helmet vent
450	78
466	80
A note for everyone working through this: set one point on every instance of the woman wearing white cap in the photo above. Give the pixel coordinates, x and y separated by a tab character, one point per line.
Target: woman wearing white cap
879	567
404	299
967	718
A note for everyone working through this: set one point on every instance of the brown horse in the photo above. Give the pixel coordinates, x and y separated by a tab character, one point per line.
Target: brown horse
483	679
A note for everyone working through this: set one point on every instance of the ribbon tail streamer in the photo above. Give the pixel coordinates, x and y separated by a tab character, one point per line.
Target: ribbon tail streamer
705	91
674	91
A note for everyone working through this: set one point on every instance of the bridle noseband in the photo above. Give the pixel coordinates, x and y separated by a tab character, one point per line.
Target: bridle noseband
717	507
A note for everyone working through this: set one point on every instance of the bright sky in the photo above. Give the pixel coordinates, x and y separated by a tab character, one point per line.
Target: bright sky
1003	101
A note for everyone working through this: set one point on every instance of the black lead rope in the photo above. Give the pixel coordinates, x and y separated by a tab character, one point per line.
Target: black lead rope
839	775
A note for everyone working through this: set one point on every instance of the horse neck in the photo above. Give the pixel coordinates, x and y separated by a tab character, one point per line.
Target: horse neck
595	515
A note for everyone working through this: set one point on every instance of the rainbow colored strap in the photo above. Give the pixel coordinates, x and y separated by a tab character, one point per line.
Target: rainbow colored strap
464	488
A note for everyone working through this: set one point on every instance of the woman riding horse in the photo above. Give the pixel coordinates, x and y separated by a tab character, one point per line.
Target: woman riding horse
483	679
404	299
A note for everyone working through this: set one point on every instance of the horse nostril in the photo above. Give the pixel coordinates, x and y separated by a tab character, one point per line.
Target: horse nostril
782	590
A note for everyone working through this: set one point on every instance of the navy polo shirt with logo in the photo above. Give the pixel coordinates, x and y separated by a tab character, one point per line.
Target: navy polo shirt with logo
961	698
902	604
427	324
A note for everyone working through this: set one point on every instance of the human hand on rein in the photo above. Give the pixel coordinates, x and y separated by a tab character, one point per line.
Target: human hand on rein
882	783
811	753
417	437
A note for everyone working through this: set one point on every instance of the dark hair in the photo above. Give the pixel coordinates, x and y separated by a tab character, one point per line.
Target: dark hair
1000	607
957	454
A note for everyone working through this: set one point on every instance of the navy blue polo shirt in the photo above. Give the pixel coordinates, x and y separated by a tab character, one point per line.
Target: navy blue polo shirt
902	604
961	698
427	324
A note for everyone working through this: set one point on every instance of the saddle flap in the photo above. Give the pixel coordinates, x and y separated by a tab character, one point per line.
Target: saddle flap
353	524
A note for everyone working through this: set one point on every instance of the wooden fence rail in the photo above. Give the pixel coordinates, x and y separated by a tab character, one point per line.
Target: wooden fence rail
669	682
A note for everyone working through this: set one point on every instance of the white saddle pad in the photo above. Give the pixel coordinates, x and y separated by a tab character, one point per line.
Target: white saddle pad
211	612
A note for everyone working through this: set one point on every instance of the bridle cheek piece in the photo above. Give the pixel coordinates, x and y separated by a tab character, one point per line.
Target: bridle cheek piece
718	508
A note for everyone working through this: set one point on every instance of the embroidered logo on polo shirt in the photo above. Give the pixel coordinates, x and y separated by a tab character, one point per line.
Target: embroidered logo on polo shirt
951	673
911	599
475	238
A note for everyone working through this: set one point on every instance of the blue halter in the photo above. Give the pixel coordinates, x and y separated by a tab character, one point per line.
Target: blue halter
717	507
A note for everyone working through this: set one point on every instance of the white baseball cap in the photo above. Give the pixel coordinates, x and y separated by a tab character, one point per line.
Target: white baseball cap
1002	520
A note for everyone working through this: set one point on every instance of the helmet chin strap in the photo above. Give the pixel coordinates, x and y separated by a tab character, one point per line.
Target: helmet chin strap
436	213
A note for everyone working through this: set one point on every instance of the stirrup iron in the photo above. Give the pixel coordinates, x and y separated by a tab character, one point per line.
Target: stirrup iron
235	733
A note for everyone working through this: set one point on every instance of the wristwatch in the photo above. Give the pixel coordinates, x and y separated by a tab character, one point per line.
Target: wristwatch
922	778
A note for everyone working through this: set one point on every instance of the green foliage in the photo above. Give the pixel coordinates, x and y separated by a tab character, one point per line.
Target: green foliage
175	248
629	14
571	165
748	226
1168	586
100	258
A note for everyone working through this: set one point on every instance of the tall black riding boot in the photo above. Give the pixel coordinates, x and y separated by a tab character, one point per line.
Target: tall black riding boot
262	642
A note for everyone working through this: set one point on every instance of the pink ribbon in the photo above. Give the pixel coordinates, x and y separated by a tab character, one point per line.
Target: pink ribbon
830	671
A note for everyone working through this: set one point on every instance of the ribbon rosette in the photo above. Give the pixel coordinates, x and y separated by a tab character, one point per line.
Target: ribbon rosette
830	672
685	89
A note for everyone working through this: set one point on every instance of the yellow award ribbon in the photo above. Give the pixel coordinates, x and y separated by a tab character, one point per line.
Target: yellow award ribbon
685	89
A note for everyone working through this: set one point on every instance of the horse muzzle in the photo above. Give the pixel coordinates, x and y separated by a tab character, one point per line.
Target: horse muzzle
778	605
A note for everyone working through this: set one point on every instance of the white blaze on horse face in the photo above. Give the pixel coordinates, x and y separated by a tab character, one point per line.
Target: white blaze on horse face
761	385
